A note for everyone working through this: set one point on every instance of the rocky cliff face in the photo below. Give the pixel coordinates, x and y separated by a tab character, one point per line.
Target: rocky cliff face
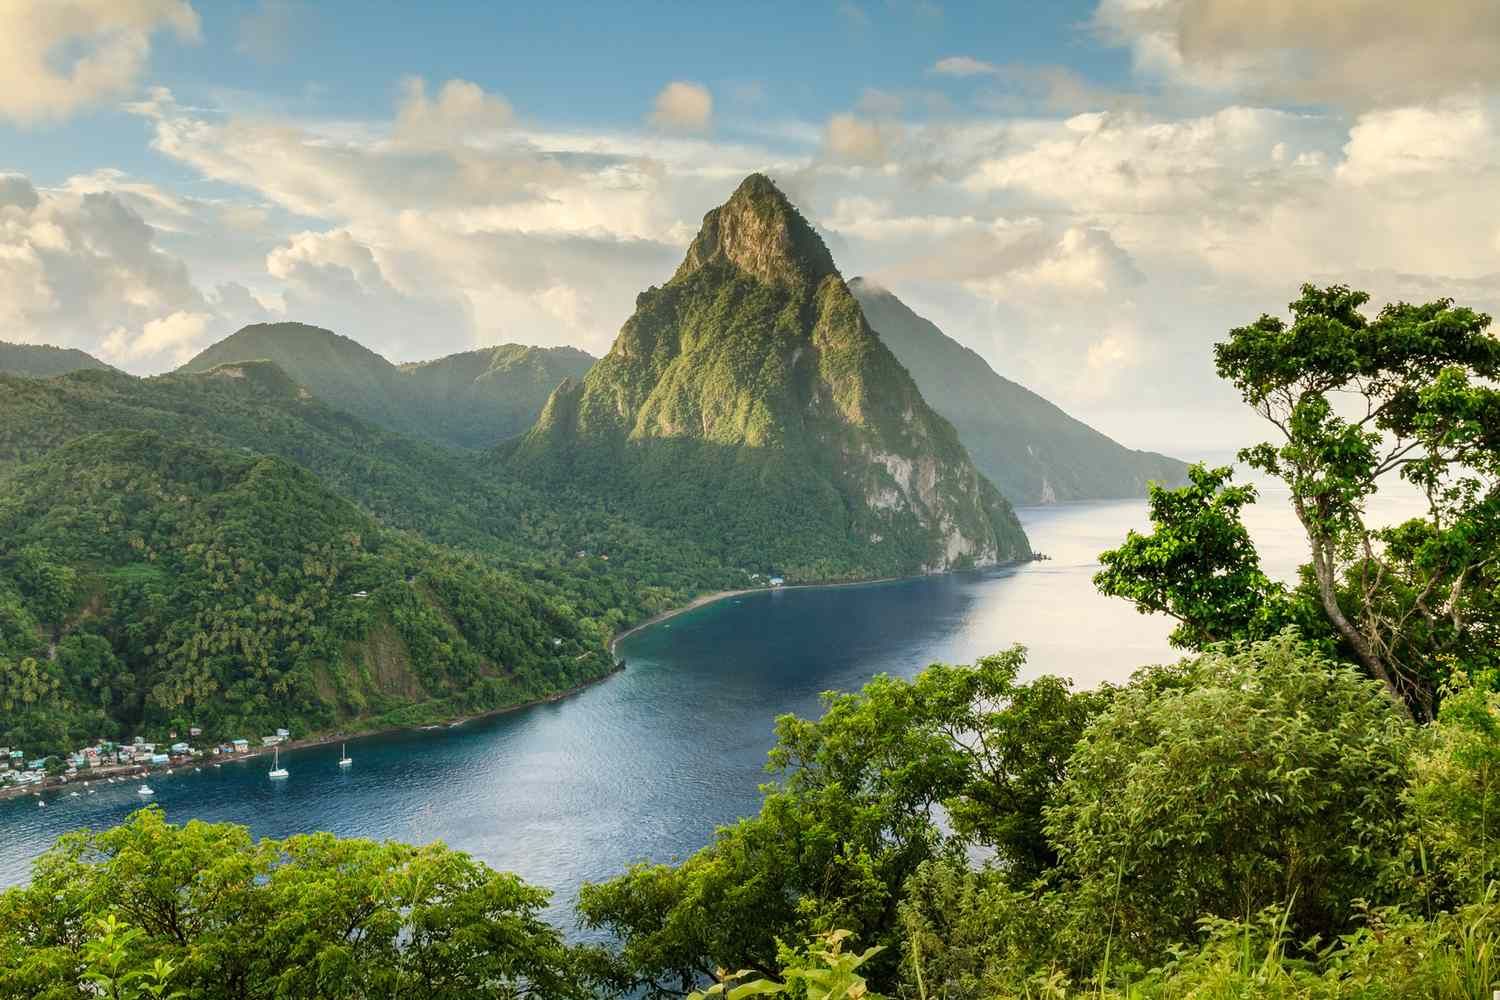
748	400
1030	449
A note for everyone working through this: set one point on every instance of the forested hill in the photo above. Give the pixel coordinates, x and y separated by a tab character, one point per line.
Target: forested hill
748	404
146	582
1030	449
45	361
469	400
539	554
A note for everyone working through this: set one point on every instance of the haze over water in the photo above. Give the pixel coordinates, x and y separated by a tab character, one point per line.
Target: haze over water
646	764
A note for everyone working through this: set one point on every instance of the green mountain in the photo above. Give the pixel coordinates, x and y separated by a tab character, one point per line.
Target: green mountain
444	496
469	400
1030	449
45	361
146	582
477	398
747	405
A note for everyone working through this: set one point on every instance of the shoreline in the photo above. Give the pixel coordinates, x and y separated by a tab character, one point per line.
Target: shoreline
703	600
131	771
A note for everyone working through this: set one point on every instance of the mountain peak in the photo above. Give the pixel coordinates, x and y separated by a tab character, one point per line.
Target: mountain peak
760	231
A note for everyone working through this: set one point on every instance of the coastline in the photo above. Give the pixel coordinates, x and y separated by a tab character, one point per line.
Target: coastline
131	771
724	595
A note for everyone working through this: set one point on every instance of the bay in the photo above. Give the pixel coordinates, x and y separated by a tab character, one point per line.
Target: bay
645	765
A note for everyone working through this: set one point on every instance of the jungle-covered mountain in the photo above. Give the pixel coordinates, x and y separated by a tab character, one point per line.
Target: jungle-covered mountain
470	400
44	360
537	553
147	581
1029	448
748	404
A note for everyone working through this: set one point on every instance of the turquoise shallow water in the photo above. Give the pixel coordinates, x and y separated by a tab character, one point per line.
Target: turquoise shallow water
647	763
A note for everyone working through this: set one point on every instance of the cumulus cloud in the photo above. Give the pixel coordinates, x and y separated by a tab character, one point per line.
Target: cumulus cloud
169	341
1360	53
852	139
683	106
75	265
59	56
461	109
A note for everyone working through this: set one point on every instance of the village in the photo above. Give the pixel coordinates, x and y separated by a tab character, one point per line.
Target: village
105	760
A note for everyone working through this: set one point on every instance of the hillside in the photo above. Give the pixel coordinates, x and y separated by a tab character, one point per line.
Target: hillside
474	399
144	580
748	405
45	361
1029	448
469	400
442	496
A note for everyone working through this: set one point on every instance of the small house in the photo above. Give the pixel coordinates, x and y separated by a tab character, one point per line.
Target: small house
180	748
195	731
269	741
160	758
776	581
239	746
282	733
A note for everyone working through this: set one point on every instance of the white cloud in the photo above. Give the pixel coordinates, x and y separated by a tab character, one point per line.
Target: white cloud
74	265
162	343
683	106
964	66
58	56
462	112
852	139
1360	53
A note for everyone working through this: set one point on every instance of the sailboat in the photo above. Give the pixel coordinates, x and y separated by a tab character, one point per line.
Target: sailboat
277	771
145	790
344	759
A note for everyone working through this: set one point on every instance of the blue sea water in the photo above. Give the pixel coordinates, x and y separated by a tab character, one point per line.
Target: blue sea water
645	765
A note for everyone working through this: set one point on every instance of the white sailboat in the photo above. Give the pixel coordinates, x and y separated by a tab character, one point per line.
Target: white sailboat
277	771
344	759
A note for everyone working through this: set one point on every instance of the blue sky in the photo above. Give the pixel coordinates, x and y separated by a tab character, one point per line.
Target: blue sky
1088	193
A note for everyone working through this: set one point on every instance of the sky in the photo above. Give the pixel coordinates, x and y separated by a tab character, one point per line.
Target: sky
1087	193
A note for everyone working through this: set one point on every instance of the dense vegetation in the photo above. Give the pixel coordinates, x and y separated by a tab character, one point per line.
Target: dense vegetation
748	405
1030	449
522	546
44	361
146	583
1305	807
1259	821
470	400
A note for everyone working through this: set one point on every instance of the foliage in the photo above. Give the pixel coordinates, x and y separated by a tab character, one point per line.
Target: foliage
830	974
1455	792
851	819
1198	565
1404	597
150	581
1226	784
148	909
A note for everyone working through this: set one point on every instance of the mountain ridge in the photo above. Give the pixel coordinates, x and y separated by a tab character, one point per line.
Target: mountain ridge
472	399
1033	450
46	361
749	399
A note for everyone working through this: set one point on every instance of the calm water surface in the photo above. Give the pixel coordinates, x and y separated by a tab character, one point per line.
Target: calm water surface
646	764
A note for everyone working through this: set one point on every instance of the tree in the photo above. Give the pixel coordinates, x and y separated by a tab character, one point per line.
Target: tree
1415	380
1266	775
203	909
851	819
1198	565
